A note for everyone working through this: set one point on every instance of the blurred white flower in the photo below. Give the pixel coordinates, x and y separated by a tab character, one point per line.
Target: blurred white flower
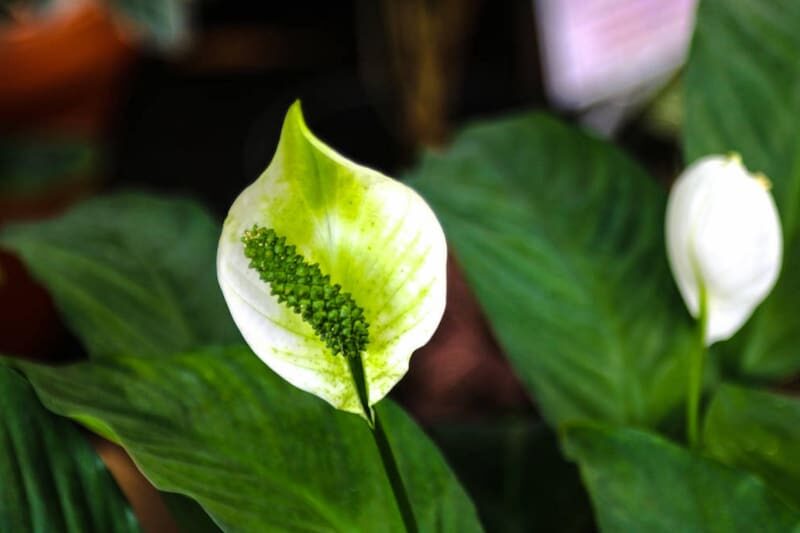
724	239
321	260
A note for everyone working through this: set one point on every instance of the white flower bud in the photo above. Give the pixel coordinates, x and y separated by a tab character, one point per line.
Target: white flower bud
724	237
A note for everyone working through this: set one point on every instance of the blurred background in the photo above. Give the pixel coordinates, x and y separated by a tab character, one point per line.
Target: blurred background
187	98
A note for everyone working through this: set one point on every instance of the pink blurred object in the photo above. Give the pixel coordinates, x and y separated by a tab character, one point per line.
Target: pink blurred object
597	51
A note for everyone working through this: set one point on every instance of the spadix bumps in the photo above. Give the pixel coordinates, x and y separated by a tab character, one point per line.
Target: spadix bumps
333	314
363	246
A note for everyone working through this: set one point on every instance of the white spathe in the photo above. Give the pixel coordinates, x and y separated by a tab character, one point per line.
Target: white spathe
372	235
723	234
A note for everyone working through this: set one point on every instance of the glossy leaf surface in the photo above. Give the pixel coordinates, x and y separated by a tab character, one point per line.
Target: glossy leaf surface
561	238
52	479
130	273
641	482
257	453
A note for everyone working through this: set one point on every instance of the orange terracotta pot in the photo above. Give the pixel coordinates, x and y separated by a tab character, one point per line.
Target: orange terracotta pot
62	71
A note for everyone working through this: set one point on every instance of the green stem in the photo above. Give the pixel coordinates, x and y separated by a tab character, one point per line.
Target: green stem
384	448
395	480
357	372
696	369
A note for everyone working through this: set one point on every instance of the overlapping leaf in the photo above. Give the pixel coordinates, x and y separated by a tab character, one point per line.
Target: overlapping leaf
258	454
641	482
52	479
561	237
130	273
135	275
758	431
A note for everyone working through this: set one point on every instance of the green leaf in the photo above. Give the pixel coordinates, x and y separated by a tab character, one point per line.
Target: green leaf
52	479
758	431
743	94
255	452
130	273
641	482
561	238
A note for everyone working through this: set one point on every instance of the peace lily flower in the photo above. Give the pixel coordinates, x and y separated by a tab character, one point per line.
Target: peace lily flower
723	241
323	262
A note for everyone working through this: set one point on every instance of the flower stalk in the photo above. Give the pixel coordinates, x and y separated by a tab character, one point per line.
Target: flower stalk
724	245
696	371
384	449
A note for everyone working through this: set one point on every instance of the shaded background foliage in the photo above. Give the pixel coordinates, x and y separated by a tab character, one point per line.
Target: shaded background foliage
202	121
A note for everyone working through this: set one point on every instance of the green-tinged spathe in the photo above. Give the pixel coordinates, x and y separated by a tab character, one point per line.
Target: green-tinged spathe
353	228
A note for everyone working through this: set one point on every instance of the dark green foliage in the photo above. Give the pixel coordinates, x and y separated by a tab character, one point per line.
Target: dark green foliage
759	431
561	237
640	482
130	273
50	477
335	316
257	453
135	275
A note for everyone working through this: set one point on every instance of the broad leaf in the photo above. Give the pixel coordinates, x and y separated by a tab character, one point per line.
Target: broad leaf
52	479
258	454
641	482
130	273
758	431
743	94
561	237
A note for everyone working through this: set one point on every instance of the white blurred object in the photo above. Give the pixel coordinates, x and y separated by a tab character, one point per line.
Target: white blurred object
723	238
610	55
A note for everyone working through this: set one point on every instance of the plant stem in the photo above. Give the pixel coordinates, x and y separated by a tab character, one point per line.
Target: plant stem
384	448
393	473
357	373
696	368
